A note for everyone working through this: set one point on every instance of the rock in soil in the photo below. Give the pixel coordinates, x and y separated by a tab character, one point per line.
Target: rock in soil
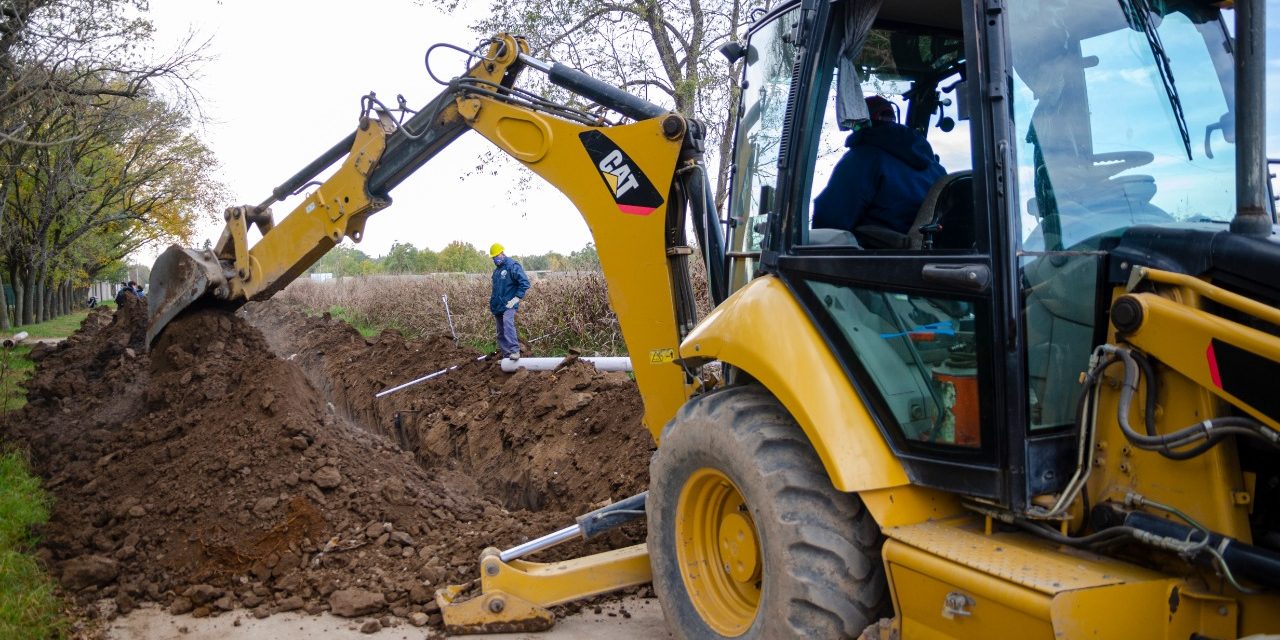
353	603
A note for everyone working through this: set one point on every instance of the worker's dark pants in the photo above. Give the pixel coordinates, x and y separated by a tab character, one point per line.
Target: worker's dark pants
507	343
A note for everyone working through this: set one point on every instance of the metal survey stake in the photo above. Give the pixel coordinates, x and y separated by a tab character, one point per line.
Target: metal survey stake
449	317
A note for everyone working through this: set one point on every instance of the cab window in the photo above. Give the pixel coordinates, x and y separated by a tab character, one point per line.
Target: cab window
895	173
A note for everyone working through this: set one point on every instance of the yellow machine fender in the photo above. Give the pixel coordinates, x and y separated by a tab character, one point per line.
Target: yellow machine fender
762	330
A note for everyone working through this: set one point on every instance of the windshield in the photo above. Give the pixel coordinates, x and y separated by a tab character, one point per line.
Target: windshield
1124	112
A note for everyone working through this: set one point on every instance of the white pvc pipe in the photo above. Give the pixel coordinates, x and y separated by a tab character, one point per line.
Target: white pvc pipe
17	338
547	364
422	379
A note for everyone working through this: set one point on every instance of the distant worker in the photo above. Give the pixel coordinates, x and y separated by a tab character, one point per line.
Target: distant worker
883	177
510	284
142	293
127	290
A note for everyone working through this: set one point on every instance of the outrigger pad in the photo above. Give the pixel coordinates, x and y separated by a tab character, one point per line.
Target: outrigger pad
179	278
495	612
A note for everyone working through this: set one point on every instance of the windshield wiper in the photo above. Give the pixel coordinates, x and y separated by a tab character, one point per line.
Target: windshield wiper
1138	12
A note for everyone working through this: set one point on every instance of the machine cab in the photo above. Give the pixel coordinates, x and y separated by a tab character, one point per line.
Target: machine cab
956	255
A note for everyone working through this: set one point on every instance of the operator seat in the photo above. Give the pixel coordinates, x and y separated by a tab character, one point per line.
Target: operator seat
945	219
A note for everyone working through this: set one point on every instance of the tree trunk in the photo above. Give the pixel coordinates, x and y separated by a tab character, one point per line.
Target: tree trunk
4	309
29	298
42	296
41	311
17	295
50	299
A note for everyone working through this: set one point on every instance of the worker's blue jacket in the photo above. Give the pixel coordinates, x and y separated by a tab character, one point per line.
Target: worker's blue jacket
882	179
509	281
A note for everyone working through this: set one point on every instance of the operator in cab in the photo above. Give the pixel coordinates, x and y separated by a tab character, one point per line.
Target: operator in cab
882	179
510	284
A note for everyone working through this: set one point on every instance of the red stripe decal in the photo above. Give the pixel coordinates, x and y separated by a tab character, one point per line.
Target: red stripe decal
634	210
1213	366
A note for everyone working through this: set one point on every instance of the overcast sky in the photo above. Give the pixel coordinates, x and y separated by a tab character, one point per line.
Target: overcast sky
285	84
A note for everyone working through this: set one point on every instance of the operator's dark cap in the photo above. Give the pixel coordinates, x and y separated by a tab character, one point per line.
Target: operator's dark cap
877	106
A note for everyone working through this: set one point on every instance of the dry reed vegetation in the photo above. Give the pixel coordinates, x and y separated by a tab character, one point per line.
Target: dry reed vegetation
562	311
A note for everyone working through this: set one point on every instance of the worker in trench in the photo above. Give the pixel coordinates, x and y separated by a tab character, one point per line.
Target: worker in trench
510	284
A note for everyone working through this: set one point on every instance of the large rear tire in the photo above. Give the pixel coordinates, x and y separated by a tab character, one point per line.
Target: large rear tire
747	537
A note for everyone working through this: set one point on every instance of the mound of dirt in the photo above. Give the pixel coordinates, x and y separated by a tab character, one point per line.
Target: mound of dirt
569	440
210	475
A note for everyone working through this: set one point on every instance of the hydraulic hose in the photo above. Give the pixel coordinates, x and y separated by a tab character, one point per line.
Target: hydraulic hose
596	90
1211	430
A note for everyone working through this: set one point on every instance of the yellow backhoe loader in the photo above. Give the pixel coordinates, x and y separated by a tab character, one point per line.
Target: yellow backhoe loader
1046	410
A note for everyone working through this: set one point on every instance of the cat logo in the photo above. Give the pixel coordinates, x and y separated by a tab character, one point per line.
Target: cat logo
632	191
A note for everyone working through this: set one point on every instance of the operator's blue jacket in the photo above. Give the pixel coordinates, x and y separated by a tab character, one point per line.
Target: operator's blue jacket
509	281
882	179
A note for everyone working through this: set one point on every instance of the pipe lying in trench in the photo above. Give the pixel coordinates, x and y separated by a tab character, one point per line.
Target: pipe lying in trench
511	366
548	364
386	392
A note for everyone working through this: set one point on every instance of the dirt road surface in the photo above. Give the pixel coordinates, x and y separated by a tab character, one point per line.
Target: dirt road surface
153	623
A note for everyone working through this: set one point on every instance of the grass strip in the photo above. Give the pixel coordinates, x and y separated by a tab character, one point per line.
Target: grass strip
29	604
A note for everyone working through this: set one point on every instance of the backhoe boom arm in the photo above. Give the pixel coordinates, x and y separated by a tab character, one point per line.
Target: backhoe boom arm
633	183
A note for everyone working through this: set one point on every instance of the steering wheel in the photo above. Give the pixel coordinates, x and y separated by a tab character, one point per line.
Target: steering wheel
1115	162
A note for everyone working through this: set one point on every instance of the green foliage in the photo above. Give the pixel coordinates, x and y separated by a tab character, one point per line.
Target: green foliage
535	263
402	258
428	261
29	607
99	156
463	257
585	259
457	257
345	260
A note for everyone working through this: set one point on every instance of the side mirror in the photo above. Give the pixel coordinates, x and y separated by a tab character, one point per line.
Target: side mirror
1227	124
733	51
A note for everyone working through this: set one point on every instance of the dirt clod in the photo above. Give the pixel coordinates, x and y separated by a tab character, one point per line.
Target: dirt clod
89	571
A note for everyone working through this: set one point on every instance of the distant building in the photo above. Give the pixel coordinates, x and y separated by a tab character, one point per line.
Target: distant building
321	277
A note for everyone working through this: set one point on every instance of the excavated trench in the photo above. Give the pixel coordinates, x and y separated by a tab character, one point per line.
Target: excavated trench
212	474
568	440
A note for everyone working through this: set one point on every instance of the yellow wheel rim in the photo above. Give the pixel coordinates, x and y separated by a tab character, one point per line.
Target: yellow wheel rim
719	552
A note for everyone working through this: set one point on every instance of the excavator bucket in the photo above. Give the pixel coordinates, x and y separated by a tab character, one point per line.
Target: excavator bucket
179	278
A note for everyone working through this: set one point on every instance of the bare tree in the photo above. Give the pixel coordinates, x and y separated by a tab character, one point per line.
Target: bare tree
127	168
94	142
664	50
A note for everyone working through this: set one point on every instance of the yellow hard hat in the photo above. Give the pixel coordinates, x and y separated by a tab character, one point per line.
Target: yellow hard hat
495	250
